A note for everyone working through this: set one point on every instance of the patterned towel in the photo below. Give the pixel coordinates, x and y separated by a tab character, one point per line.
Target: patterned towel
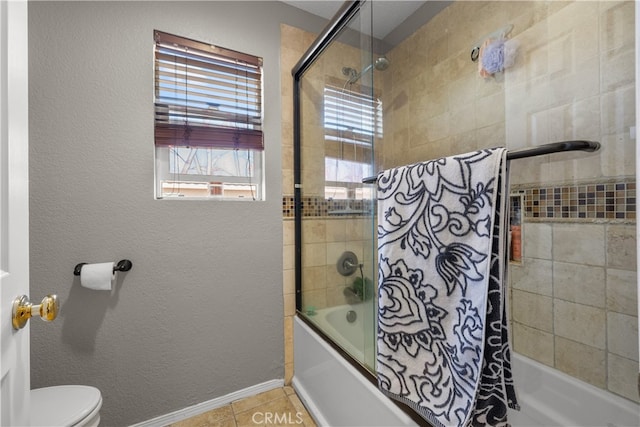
442	333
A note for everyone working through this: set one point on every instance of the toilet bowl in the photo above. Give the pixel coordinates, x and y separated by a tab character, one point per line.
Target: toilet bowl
66	406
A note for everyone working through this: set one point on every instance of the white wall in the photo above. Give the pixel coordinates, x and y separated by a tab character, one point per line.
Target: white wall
200	314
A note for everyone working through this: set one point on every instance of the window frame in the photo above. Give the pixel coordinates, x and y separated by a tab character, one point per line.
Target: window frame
233	128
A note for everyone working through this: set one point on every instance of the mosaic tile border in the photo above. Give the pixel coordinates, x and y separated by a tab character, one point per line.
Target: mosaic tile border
321	207
582	202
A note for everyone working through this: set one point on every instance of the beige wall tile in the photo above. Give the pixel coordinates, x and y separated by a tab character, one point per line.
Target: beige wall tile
535	276
287	182
357	229
620	69
289	282
314	254
314	278
537	240
289	304
336	230
618	110
622	374
622	291
288	259
581	323
579	283
335	251
533	343
581	361
288	232
618	155
490	110
622	335
532	310
288	372
579	243
617	26
621	246
313	299
288	339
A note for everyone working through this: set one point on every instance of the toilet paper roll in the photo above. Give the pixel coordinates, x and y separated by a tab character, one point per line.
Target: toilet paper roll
98	276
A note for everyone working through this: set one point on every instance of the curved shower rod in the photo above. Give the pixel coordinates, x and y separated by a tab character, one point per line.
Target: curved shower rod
551	148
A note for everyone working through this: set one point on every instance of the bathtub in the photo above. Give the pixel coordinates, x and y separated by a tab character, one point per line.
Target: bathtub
337	394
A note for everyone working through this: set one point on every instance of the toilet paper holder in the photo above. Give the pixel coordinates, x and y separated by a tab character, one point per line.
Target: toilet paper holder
123	265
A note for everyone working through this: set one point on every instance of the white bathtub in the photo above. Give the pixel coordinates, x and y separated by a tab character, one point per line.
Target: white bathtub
337	394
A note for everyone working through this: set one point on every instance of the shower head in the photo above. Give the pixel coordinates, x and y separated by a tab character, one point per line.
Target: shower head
381	63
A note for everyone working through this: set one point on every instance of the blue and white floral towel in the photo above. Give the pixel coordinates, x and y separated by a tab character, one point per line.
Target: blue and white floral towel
442	331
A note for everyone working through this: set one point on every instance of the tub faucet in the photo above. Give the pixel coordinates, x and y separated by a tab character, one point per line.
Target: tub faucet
352	296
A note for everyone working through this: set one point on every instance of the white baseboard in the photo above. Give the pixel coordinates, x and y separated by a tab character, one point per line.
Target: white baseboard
212	404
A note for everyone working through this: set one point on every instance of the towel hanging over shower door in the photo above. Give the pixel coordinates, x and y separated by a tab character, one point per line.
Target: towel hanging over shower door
442	330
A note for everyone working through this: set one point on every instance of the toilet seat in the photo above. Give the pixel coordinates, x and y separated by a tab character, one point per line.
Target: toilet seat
65	405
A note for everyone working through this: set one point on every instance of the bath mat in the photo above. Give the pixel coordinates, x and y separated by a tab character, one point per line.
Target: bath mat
442	336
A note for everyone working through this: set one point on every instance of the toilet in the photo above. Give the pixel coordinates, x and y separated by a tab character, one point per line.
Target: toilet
66	406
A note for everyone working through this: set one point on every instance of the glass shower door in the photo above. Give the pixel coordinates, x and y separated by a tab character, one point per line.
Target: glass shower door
340	118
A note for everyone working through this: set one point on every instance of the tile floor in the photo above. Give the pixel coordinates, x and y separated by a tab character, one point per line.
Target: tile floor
279	407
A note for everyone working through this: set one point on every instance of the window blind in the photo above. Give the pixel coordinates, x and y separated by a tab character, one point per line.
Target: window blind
206	96
351	116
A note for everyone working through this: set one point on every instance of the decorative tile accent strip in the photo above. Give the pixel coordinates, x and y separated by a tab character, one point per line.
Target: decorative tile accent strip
608	201
321	207
588	201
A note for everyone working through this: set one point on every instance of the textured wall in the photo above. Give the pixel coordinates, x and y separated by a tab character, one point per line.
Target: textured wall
200	314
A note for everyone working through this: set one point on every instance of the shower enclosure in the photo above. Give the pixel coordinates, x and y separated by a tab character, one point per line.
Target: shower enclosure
339	121
364	104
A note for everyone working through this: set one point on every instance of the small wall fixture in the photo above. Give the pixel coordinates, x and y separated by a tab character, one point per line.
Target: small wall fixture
123	265
347	263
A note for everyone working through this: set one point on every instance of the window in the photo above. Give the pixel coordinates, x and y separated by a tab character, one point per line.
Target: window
208	121
351	122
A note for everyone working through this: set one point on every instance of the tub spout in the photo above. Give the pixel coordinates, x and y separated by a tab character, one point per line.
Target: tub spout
352	295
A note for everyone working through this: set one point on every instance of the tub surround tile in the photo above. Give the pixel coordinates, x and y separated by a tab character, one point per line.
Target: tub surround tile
538	241
620	370
534	276
532	310
621	246
314	278
289	304
288	260
581	323
314	254
581	361
617	25
579	243
622	291
288	232
289	282
622	335
618	110
533	343
314	299
591	289
314	231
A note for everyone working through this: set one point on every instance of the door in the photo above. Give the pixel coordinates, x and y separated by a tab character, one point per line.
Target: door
14	211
